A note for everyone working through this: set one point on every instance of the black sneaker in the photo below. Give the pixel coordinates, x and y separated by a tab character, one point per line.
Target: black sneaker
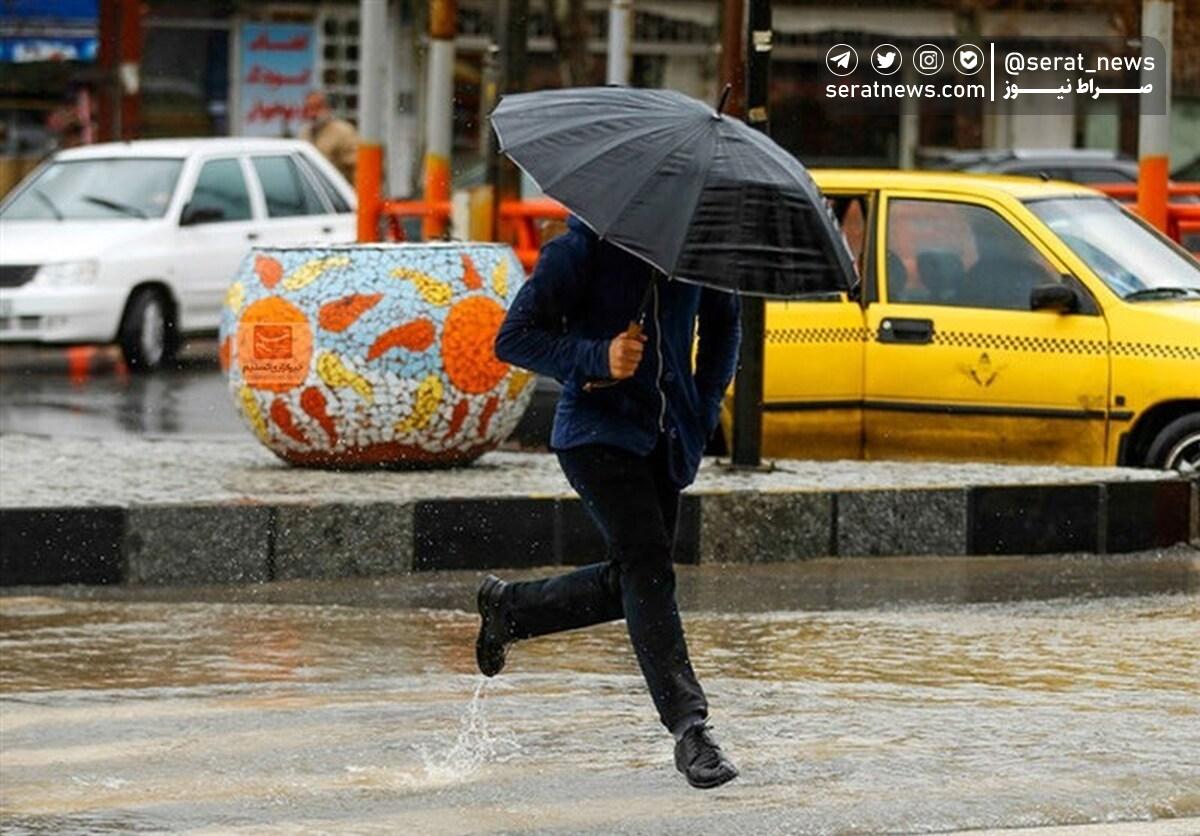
493	632
701	760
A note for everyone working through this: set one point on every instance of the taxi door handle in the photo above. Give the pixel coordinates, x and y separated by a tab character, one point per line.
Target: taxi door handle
911	331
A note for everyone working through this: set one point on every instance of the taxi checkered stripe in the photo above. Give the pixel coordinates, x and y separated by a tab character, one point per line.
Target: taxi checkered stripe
1019	342
1174	352
816	335
1005	342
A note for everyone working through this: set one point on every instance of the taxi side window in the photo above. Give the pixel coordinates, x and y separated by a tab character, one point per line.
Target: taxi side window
958	254
851	214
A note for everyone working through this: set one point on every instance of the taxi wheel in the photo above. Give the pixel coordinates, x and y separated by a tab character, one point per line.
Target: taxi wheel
147	333
1177	446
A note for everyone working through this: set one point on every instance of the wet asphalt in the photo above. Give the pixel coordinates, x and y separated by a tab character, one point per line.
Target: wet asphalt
87	391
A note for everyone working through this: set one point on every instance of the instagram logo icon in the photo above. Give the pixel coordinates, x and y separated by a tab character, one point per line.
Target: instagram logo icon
928	59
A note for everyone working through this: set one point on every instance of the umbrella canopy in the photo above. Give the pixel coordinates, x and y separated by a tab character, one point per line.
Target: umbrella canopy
700	195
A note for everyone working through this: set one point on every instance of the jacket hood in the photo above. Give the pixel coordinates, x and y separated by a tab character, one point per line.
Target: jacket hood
576	225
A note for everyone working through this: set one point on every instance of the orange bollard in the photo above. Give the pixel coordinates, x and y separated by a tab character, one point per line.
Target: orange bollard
1152	190
1154	129
437	189
439	117
368	184
79	363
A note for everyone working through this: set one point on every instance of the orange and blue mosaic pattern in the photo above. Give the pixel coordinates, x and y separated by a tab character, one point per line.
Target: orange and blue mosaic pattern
374	355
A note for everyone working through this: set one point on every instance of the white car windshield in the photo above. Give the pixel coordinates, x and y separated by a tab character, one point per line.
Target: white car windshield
1134	260
69	190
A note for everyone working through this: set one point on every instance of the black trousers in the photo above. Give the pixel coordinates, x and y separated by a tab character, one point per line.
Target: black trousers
635	505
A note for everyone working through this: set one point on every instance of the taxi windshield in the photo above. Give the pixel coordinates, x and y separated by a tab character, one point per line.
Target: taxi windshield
1134	260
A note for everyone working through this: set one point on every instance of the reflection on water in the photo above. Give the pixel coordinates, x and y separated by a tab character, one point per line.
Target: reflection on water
177	402
287	708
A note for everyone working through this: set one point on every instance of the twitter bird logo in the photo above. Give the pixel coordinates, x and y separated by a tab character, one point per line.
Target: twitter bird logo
886	59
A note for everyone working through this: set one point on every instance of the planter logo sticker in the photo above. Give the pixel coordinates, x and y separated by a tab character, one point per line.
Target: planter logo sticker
272	342
275	345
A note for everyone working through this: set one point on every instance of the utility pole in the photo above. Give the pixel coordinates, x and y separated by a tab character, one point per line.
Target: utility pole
484	207
1154	131
620	41
748	390
511	64
120	57
439	109
910	121
372	110
733	67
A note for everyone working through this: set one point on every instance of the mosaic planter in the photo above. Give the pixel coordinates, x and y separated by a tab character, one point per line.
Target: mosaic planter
374	355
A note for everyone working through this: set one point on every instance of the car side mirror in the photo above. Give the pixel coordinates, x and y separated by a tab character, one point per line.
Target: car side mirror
193	215
1054	297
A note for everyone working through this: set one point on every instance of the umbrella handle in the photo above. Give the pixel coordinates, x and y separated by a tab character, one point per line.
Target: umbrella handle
634	330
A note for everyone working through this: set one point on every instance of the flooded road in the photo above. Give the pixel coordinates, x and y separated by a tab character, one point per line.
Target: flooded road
86	391
854	697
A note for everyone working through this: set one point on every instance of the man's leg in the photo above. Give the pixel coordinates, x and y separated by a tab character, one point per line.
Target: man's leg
635	506
580	598
668	501
585	596
622	493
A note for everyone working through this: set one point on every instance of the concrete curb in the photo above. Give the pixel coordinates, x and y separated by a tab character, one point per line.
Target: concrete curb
249	542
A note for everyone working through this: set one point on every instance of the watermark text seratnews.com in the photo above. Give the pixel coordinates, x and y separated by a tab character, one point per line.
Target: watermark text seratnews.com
1004	75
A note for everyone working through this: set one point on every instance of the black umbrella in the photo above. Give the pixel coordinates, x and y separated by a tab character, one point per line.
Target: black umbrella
698	194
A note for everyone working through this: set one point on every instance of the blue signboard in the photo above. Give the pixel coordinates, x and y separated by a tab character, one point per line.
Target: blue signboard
83	11
48	30
277	72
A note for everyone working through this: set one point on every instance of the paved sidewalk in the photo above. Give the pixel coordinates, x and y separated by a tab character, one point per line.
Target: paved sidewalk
49	472
226	510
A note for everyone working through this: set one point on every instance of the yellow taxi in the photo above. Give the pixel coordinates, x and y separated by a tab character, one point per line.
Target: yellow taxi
997	319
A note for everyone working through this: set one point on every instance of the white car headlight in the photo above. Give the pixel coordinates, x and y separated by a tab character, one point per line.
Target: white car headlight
68	273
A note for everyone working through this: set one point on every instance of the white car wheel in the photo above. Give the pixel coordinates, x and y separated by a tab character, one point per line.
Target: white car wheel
154	330
146	333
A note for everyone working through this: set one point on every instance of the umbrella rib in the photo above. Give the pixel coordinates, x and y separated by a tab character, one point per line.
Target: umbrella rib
683	141
615	141
696	202
586	222
561	128
775	155
830	247
789	165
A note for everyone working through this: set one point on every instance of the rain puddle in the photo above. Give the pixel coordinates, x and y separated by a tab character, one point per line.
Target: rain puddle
861	697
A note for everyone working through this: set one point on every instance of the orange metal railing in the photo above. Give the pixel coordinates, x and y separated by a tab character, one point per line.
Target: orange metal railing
521	221
1183	219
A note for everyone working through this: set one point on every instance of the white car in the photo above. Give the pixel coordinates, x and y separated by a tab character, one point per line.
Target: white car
136	242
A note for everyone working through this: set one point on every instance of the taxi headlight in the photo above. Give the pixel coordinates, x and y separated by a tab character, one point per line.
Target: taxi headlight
68	273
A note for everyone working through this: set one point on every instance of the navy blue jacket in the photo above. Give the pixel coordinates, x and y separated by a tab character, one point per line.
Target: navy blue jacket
583	292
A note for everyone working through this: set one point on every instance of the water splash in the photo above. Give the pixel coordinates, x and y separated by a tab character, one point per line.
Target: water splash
476	745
